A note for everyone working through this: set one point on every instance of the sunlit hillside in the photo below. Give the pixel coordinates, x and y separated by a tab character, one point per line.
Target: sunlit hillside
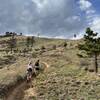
64	76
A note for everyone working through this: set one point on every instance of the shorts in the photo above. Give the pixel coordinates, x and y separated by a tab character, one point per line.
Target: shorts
29	70
37	67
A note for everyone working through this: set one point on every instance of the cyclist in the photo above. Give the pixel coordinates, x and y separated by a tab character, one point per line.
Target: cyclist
37	65
29	71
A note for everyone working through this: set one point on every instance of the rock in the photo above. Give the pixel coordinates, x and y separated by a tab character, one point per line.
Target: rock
40	94
67	83
86	83
91	70
78	82
86	69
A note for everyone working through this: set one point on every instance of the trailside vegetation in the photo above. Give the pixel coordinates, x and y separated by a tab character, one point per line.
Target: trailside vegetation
91	46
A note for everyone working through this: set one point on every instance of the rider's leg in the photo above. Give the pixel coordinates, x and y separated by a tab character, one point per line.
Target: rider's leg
34	71
28	77
27	80
30	80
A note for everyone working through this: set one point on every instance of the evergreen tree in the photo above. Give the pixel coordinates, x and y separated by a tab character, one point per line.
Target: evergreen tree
65	44
25	51
12	43
32	41
21	34
91	46
28	42
74	35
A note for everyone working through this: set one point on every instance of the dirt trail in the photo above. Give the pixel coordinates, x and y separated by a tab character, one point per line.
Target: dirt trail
18	92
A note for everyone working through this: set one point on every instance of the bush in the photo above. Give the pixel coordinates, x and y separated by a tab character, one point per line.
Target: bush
43	48
91	70
19	78
30	49
86	69
65	44
54	47
34	55
84	63
36	49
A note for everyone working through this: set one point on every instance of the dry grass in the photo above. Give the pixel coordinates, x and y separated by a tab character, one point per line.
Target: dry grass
16	69
62	80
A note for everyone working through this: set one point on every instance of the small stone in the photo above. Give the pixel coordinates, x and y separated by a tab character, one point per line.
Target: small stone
86	83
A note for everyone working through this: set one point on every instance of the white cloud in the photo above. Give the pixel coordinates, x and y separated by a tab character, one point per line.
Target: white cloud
75	18
91	11
93	19
51	18
84	4
61	37
40	3
51	6
95	24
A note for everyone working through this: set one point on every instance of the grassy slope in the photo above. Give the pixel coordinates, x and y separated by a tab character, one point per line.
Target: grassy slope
62	80
17	69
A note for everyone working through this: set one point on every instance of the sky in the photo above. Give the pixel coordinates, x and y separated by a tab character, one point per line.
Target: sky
50	18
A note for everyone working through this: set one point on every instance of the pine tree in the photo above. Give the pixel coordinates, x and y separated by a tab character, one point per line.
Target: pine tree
28	42
12	43
65	44
91	46
32	41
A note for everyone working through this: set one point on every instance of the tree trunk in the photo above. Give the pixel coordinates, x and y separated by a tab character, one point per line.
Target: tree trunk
96	63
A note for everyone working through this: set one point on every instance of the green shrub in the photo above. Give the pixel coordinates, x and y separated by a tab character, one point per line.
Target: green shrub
43	48
19	78
34	55
54	47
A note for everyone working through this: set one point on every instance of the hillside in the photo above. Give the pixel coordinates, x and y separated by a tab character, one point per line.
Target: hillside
63	79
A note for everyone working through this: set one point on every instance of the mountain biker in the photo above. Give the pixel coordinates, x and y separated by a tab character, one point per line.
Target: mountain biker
29	71
37	64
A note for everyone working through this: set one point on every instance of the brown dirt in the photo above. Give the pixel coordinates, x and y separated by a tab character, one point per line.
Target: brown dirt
17	93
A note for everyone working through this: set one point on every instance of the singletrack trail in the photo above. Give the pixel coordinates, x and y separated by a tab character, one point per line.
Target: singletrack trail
18	92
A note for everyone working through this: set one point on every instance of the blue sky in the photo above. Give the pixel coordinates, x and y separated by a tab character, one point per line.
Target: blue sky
49	18
96	4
